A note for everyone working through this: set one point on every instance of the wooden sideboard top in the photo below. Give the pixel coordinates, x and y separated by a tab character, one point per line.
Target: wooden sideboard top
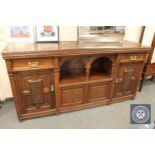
27	50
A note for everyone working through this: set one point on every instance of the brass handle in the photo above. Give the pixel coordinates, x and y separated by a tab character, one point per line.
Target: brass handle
26	92
119	80
46	90
52	88
33	64
116	80
133	57
132	78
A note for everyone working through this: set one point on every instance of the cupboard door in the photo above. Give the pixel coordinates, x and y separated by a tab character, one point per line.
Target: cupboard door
73	95
99	91
127	79
34	89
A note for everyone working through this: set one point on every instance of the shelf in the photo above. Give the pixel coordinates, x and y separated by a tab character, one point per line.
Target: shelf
101	69
99	76
82	79
72	79
73	71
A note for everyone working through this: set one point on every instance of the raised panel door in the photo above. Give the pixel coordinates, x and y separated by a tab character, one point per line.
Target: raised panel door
73	95
99	91
34	89
126	80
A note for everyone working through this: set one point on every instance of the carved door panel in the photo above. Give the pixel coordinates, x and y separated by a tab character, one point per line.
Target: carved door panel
99	91
34	88
74	95
126	81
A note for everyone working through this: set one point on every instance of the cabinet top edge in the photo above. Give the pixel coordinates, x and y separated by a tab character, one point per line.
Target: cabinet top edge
23	50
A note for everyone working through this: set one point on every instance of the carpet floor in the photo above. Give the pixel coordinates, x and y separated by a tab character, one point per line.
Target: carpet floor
114	116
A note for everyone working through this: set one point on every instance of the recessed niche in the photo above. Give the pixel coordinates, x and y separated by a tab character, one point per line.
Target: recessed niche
72	70
100	68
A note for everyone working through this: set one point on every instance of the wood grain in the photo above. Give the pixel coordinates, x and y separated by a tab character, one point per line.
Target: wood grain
70	76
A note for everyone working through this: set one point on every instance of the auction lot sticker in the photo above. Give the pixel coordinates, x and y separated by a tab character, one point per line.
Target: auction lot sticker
140	113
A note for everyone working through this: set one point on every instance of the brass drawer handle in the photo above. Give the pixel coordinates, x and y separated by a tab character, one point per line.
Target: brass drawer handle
118	80
33	64
133	58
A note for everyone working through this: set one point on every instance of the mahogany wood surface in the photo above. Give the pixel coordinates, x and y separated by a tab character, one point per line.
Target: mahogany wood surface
29	50
53	78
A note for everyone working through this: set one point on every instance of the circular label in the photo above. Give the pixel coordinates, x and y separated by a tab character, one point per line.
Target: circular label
140	114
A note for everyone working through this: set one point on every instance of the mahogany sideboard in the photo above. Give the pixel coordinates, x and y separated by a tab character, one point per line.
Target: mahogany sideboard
52	78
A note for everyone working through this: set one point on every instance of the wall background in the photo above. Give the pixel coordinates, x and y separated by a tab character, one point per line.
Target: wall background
66	33
5	89
147	39
133	33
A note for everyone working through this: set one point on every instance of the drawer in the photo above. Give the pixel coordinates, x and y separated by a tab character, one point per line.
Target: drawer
132	57
150	69
22	64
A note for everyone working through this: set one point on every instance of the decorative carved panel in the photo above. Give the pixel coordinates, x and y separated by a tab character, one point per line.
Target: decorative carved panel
36	87
128	73
73	96
126	79
99	91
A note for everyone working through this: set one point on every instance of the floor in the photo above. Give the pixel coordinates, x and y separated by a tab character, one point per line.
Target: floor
113	116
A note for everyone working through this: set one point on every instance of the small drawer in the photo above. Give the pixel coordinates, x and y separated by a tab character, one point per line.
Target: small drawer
132	57
31	63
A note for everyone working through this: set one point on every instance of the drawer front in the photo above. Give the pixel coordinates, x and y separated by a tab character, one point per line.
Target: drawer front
74	95
99	91
32	63
132	58
150	69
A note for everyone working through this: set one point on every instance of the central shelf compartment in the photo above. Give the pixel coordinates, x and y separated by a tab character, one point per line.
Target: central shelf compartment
72	71
100	69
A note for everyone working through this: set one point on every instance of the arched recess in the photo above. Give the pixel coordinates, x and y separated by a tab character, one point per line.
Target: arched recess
101	68
72	70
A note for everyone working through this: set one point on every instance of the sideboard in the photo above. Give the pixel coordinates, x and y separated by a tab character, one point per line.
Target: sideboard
52	78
